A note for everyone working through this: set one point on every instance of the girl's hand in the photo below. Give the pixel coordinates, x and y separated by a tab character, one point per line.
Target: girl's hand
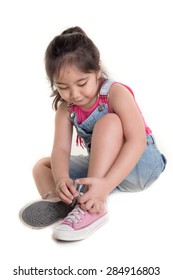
94	199
66	190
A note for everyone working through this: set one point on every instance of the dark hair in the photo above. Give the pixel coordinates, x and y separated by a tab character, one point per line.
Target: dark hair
71	47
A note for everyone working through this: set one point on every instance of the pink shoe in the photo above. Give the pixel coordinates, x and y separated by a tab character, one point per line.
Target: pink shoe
79	224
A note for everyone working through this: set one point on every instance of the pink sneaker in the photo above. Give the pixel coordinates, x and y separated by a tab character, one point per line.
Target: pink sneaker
79	224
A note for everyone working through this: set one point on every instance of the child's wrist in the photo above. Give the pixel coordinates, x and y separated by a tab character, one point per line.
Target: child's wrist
61	179
110	185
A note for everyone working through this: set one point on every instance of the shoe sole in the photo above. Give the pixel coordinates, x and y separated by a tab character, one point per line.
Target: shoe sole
43	213
75	235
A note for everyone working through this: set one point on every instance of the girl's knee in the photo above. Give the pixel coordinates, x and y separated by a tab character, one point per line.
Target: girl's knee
40	165
110	121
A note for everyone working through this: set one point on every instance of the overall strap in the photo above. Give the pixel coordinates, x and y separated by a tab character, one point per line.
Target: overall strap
106	86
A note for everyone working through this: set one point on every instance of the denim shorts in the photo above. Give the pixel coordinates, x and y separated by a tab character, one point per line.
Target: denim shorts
147	170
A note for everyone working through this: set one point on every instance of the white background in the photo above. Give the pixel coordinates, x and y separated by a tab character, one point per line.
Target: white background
135	41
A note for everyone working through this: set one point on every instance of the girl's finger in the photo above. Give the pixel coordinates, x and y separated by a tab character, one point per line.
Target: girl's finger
85	197
66	192
84	181
88	205
65	199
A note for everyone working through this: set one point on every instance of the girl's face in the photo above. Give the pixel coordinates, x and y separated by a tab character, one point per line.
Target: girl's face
77	87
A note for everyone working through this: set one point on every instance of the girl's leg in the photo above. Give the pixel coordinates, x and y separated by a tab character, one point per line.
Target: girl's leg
107	141
43	177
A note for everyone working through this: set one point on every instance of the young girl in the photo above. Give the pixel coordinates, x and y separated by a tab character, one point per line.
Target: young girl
122	153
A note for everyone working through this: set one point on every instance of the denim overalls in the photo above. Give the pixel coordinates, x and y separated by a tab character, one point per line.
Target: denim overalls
85	129
146	171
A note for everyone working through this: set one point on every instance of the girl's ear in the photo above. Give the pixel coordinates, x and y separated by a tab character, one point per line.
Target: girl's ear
99	73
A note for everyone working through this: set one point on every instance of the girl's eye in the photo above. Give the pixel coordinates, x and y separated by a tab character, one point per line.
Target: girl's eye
81	85
62	88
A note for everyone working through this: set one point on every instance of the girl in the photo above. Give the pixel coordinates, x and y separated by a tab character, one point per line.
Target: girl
122	153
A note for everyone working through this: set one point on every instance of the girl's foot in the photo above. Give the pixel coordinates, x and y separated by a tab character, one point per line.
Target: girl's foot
79	224
43	213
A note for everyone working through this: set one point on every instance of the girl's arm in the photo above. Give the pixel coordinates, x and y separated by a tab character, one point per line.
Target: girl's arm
61	154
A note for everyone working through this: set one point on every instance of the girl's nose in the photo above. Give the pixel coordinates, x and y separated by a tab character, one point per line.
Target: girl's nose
74	93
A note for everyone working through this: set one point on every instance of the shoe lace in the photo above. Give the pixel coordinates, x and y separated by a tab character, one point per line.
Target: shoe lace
75	215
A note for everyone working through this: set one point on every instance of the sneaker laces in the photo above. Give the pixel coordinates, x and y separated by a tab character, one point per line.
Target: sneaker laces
75	215
79	189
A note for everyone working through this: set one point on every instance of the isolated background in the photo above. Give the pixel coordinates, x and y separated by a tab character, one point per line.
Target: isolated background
135	41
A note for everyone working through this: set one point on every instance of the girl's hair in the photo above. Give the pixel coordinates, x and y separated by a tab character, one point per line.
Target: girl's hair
72	47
